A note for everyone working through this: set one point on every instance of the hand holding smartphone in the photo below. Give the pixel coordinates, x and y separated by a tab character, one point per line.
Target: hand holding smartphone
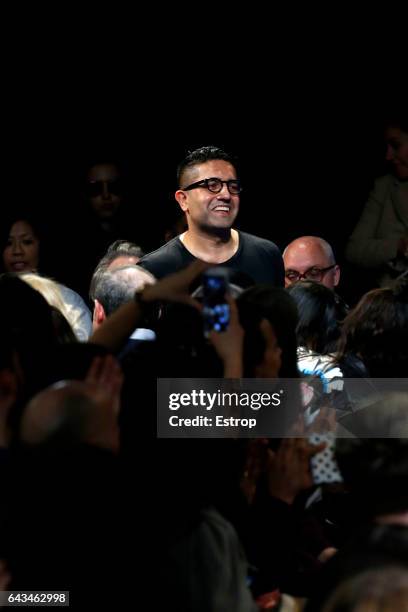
216	310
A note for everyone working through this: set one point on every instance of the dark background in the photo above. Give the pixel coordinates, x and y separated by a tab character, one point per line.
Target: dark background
307	167
304	176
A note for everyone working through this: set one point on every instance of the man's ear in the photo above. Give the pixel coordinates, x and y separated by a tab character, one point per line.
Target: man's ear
336	275
181	198
99	315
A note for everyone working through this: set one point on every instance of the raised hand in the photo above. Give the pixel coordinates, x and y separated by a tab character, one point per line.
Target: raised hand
289	470
175	287
229	343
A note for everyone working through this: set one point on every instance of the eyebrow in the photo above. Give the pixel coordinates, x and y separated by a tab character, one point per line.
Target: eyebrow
103	180
25	235
318	266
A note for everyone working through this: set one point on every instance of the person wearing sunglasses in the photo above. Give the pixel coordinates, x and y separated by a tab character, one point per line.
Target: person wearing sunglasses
311	258
209	195
104	190
103	215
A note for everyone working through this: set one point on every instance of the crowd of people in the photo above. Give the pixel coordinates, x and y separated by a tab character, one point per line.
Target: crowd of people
316	519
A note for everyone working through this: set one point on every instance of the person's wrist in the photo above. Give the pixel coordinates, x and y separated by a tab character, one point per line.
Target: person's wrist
141	298
232	358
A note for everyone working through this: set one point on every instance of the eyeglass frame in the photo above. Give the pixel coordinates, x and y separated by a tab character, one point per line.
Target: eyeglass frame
322	272
204	183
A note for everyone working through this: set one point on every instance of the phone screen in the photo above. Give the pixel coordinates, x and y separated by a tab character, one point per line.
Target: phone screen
216	310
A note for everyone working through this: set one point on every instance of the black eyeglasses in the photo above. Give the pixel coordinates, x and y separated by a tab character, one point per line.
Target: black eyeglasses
95	188
313	274
214	185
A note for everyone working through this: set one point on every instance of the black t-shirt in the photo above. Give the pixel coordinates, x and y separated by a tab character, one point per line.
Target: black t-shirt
256	257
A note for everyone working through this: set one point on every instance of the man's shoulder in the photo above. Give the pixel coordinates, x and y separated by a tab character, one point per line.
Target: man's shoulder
260	258
251	240
166	259
164	249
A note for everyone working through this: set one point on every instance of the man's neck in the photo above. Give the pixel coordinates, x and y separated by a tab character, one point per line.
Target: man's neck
213	248
393	519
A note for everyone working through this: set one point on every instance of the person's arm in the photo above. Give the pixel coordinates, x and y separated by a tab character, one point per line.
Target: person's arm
117	328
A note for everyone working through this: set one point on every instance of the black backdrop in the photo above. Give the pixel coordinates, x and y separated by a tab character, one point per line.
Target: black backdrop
306	170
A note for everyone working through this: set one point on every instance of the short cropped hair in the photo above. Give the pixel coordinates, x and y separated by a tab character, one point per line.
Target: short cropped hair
125	247
200	156
115	287
119	248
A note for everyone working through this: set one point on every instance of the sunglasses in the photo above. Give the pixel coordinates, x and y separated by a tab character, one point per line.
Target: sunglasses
96	188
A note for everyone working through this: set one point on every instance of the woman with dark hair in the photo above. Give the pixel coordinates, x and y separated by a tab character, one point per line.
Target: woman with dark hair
373	349
321	311
380	240
21	239
375	333
23	250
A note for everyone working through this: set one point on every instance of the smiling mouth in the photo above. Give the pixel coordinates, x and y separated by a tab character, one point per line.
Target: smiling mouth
222	209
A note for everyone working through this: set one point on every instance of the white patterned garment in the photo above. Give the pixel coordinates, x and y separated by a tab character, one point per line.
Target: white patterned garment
323	386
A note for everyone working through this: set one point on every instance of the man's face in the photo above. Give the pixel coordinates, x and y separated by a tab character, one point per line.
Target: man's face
309	258
103	186
207	211
397	151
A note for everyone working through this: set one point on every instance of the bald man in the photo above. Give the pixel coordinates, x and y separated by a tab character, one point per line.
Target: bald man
311	258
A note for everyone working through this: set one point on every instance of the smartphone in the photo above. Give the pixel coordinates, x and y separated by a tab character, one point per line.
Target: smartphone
216	311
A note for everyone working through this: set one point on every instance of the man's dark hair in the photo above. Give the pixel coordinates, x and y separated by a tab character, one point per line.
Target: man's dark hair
200	156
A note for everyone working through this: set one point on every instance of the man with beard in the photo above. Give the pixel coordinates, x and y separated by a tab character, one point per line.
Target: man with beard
209	194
